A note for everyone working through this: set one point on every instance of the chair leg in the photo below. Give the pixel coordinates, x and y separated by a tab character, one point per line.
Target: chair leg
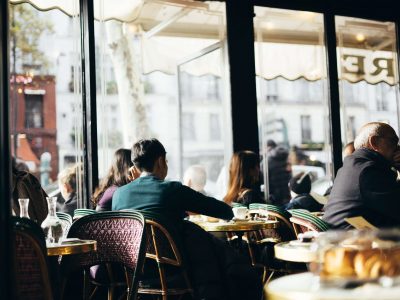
110	293
270	277
93	292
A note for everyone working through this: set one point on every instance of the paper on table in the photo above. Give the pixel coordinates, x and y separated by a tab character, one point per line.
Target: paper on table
360	223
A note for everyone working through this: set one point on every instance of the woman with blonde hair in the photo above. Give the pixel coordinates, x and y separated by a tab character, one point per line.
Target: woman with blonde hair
244	174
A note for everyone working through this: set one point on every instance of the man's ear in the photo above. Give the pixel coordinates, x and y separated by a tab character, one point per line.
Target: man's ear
373	142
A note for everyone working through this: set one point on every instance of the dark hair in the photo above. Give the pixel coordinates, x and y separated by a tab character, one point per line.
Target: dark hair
145	152
117	175
301	183
240	176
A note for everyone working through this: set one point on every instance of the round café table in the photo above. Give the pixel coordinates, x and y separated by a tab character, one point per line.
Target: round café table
237	226
72	247
305	286
295	251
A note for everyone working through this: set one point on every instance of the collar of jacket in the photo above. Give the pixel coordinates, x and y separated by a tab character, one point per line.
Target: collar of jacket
373	155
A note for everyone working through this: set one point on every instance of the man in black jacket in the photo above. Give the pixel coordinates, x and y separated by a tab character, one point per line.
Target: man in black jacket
367	183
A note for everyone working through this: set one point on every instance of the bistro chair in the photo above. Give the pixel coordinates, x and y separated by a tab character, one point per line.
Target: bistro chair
164	261
81	212
64	216
269	237
120	237
31	265
304	221
66	221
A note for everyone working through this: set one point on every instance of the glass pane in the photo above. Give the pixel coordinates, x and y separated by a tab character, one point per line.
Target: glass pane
368	74
138	91
293	110
202	116
45	95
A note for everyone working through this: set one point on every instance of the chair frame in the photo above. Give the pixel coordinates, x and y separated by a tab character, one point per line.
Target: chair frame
152	226
131	283
31	231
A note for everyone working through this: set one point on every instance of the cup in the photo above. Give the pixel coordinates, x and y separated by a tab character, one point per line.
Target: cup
240	212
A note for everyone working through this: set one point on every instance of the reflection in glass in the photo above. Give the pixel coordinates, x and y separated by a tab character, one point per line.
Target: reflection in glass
293	110
367	73
137	80
45	97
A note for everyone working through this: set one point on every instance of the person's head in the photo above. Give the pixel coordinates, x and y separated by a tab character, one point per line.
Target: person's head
271	145
67	181
148	155
379	137
300	184
348	149
118	174
244	172
195	177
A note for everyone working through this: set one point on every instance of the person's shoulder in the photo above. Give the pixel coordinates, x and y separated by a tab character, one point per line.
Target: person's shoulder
172	183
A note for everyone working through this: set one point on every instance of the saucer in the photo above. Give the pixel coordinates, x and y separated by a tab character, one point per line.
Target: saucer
240	220
299	243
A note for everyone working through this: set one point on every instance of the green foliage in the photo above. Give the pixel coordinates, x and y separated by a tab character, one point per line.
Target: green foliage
26	29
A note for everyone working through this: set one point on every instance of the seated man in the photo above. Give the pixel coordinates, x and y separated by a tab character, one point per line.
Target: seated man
366	184
150	192
195	177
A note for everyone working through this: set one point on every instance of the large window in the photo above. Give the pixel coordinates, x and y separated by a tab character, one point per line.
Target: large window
45	98
293	110
368	73
163	72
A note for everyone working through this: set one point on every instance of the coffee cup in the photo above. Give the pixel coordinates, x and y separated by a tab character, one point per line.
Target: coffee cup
240	212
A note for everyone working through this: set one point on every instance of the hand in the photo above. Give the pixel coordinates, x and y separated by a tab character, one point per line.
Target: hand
396	158
133	173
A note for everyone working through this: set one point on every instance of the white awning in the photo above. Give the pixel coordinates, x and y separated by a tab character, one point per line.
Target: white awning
175	29
123	10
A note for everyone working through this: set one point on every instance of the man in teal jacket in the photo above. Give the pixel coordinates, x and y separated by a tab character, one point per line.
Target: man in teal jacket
212	264
151	193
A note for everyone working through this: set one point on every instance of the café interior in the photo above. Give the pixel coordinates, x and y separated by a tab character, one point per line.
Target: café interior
80	79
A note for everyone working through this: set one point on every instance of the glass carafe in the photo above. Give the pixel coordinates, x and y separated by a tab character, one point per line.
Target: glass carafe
23	207
52	225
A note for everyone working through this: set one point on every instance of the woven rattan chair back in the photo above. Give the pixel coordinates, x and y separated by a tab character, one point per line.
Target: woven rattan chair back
162	248
120	237
31	267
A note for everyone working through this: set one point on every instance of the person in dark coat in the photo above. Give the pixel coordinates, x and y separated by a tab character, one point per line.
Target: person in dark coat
279	173
67	181
300	186
367	183
234	279
26	185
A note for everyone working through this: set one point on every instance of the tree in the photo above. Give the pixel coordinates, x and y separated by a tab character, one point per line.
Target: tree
125	46
26	29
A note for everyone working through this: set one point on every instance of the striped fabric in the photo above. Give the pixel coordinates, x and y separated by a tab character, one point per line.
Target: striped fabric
270	207
64	216
307	216
80	212
236	204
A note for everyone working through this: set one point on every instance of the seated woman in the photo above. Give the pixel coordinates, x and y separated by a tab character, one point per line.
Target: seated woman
300	188
120	173
244	174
